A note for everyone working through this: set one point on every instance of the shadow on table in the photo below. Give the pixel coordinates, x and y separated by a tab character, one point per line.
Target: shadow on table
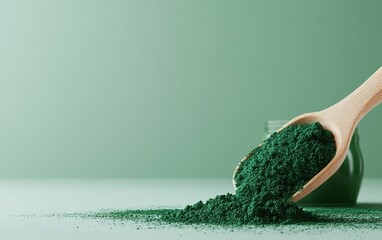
369	205
359	214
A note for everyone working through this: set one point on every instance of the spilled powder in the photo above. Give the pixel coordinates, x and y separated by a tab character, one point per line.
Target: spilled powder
361	217
265	183
267	180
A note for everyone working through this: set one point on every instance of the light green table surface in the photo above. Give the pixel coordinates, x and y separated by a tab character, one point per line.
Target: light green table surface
22	202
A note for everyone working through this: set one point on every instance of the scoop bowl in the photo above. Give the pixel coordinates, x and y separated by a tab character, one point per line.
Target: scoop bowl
341	119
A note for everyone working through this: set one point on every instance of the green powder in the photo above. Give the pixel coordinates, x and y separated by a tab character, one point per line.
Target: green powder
267	180
363	216
265	183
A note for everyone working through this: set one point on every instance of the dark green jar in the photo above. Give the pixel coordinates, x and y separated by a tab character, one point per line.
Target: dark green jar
343	187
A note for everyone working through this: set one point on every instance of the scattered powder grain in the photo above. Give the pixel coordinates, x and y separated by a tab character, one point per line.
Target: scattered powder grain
361	217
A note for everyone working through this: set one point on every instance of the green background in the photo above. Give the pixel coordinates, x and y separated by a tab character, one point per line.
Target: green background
161	88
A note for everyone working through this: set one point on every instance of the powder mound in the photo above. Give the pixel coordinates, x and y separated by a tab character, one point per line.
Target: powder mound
267	180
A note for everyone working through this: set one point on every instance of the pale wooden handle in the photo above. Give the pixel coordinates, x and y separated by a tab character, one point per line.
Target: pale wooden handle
356	105
367	96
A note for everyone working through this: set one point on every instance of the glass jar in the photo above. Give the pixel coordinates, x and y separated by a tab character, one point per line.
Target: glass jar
343	186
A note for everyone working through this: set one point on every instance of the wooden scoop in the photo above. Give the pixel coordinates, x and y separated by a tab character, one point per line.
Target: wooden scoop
341	119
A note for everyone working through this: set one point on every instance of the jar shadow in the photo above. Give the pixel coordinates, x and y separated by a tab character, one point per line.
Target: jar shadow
359	214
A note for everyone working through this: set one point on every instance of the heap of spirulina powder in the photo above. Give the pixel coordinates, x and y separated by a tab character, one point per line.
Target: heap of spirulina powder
265	183
267	180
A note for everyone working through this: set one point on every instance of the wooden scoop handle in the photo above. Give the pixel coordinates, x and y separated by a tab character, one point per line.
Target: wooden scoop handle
347	113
